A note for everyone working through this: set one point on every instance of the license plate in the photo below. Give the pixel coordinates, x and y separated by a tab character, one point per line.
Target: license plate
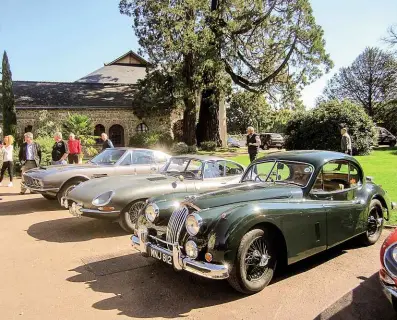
161	256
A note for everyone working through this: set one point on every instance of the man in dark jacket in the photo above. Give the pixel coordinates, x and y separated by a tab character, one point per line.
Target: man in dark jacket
29	156
106	142
253	143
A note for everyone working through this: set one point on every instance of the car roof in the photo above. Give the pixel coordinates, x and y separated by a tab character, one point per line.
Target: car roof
317	158
201	157
132	149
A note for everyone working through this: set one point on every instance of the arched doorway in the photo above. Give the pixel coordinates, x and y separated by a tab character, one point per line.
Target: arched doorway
28	128
99	129
116	135
140	128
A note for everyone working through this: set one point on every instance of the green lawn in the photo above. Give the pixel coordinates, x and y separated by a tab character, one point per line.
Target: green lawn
381	165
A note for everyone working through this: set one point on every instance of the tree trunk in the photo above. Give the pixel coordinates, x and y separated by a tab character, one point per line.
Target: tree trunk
208	125
189	115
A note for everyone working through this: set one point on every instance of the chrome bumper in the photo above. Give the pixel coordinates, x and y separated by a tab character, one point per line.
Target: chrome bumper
40	189
390	291
77	210
180	262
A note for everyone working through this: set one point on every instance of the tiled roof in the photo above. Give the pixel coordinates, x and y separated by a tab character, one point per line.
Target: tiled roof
115	74
71	94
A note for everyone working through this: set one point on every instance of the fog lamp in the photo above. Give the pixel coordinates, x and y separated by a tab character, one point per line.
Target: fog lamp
191	249
208	257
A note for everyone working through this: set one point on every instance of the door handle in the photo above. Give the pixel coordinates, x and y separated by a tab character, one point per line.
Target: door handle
357	201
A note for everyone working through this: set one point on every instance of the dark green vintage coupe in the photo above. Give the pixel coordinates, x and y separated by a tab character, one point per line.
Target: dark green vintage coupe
287	207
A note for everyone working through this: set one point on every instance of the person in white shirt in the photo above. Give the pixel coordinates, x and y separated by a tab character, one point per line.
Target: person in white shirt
8	162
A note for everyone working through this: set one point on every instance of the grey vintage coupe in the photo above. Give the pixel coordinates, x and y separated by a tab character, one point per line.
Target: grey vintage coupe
55	182
121	198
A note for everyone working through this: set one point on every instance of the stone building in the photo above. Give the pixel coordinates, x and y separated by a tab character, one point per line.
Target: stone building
105	95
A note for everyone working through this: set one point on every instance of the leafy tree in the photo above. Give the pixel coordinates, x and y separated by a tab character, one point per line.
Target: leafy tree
7	97
46	125
320	128
264	46
82	127
248	109
370	81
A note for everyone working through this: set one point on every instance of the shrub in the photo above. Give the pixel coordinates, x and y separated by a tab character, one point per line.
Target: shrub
320	128
180	148
151	139
208	145
192	149
46	144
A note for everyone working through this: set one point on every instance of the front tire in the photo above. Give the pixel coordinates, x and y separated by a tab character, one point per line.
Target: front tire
129	216
48	196
374	224
67	187
255	262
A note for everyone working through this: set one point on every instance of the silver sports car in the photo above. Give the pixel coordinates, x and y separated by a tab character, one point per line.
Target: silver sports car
121	198
55	182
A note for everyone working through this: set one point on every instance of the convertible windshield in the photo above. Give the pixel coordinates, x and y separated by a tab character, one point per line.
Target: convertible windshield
108	156
189	168
280	171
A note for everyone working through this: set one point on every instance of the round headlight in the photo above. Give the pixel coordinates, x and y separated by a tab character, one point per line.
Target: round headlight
103	199
390	260
193	223
191	249
151	212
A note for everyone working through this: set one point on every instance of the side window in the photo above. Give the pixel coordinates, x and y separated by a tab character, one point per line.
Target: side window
142	157
159	157
260	169
214	169
337	176
127	161
233	169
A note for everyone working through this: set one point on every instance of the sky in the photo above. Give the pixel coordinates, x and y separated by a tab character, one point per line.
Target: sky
58	40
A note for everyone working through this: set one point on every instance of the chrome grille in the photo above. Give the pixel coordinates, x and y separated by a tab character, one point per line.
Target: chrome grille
28	180
175	224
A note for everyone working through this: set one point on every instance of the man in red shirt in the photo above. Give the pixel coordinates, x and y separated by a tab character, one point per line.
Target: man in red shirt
74	149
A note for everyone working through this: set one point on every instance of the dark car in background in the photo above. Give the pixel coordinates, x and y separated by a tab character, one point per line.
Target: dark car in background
271	140
385	137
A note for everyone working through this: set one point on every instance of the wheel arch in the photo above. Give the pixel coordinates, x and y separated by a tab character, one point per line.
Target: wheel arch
383	202
79	177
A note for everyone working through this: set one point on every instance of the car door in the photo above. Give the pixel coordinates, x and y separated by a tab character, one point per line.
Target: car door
339	187
137	162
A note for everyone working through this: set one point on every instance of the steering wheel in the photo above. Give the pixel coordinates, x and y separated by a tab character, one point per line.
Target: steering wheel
190	173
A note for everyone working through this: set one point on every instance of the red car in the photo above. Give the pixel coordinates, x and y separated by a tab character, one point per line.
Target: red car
388	271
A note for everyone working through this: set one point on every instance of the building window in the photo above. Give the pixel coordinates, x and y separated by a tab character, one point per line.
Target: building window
141	128
99	129
116	135
28	128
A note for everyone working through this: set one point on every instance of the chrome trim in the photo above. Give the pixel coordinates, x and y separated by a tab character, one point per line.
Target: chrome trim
97	211
392	246
180	262
41	189
156	211
388	289
176	223
107	202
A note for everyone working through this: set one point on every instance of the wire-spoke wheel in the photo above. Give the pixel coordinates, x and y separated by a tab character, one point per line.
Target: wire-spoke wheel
374	223
67	187
255	262
129	216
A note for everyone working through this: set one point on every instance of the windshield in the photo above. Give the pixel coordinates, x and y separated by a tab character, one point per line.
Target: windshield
108	156
189	168
280	171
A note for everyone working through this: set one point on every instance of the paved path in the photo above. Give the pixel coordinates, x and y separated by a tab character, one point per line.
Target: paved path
54	266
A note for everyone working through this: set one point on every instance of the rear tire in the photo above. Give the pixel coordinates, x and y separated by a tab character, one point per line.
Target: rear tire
255	262
392	143
49	197
67	187
374	224
129	216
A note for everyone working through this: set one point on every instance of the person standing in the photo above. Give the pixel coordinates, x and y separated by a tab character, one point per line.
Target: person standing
8	160
346	142
60	150
253	143
74	147
106	142
29	156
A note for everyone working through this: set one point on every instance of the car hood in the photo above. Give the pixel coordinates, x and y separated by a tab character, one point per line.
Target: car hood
45	170
244	193
94	187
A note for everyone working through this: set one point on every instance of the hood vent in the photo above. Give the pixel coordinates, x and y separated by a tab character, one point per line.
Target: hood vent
157	178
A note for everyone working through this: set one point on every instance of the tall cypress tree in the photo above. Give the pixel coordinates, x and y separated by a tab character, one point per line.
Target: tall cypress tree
7	97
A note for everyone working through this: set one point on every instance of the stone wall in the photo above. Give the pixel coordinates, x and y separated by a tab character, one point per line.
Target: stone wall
106	117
